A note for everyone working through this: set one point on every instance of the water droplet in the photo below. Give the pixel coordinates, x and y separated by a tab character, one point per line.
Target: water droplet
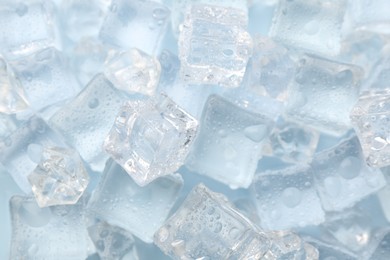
291	197
312	27
350	167
256	133
332	186
93	103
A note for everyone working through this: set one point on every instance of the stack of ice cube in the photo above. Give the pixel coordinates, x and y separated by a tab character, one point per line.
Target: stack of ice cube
194	129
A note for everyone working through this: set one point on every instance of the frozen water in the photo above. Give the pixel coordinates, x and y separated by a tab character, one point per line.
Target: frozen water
288	192
45	77
310	25
292	142
371	119
287	245
214	46
112	243
271	69
17	152
47	233
330	252
170	66
382	252
151	138
135	24
133	71
86	120
206	226
60	177
229	143
322	94
12	96
119	201
26	26
340	172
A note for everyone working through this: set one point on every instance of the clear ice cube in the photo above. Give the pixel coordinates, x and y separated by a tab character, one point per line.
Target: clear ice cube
322	94
341	176
382	252
151	138
327	251
310	25
206	226
86	120
111	242
47	233
135	24
18	153
371	119
287	192
119	201
45	77
214	46
133	71
229	143
60	177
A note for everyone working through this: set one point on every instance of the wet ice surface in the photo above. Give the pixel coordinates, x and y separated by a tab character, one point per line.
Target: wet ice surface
194	129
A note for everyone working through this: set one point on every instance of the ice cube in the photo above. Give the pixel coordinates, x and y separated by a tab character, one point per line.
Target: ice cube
45	77
60	177
12	96
342	177
327	251
26	26
86	120
151	138
18	151
206	226
133	71
135	24
314	26
322	94
170	66
47	233
287	245
382	252
292	142
287	192
119	201
229	143
371	119
111	242
214	46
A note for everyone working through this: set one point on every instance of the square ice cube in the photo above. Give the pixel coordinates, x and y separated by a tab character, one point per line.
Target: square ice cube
86	120
342	177
135	24
371	119
322	94
119	201
26	26
151	138
47	233
207	226
310	25
287	192
214	46
45	77
229	143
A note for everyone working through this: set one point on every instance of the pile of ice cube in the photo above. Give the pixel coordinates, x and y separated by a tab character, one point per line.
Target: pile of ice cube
195	129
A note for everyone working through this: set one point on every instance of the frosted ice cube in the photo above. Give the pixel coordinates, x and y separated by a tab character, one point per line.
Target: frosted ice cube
322	94
341	176
18	153
313	25
151	138
26	26
60	177
371	119
292	142
229	143
214	46
45	77
206	226
12	96
119	201
111	242
47	233
86	120
133	71
288	192
135	24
